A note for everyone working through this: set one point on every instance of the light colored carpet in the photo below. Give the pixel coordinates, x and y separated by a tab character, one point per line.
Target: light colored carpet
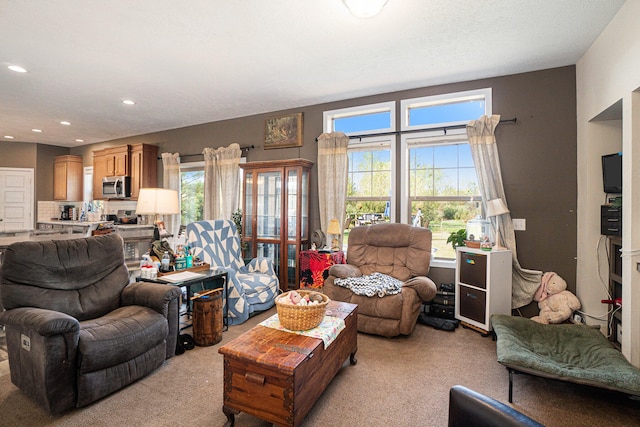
403	381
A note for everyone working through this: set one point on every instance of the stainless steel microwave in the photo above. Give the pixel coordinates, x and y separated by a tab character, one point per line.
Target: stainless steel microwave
116	187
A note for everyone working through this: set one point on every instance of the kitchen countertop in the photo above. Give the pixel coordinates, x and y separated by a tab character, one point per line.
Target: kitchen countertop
134	226
75	223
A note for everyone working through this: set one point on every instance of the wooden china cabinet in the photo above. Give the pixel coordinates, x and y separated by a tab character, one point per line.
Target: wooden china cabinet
276	214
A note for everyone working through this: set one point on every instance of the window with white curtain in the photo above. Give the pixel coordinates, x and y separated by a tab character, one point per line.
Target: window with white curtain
371	176
192	192
438	186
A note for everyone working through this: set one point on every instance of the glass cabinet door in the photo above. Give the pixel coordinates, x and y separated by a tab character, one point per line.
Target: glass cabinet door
268	205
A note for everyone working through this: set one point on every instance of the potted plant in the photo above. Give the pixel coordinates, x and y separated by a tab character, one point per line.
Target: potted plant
457	238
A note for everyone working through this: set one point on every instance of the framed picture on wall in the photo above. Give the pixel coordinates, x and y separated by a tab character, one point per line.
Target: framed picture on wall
283	131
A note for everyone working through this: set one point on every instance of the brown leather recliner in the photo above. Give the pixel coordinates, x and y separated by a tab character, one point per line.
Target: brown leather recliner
400	251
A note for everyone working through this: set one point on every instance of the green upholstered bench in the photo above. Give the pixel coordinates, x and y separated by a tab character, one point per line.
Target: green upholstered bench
567	352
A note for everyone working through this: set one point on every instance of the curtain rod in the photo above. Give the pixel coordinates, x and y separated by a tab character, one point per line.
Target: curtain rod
402	132
245	148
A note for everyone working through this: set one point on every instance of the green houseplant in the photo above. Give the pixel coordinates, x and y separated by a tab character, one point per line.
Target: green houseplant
457	238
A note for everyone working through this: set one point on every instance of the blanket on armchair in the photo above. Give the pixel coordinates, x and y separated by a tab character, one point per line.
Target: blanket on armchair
372	284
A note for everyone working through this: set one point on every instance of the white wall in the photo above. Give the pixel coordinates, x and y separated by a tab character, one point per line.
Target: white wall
609	73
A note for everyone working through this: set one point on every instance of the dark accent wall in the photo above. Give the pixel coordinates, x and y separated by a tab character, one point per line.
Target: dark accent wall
537	154
18	155
44	173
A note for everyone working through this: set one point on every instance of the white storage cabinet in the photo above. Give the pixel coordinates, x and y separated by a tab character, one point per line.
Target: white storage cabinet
483	286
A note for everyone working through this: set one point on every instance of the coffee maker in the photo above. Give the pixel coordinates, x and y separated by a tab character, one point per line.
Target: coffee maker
66	212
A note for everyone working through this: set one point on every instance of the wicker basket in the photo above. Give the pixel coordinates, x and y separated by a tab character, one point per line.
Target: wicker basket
301	317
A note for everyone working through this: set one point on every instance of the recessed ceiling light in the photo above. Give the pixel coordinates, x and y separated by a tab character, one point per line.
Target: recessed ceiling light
36	130
128	102
79	140
17	68
8	136
66	123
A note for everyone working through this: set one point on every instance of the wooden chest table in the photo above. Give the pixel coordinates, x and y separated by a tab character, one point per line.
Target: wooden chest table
278	376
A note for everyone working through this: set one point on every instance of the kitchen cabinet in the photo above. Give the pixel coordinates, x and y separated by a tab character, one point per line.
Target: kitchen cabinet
276	214
483	286
67	178
144	167
139	161
117	159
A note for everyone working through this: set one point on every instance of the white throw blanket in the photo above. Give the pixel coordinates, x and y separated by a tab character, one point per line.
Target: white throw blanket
373	284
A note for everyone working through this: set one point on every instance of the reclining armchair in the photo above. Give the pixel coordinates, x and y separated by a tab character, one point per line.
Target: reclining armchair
76	329
397	250
251	288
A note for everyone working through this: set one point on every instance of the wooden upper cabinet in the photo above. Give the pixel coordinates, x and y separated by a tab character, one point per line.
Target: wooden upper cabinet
67	178
138	161
100	170
144	167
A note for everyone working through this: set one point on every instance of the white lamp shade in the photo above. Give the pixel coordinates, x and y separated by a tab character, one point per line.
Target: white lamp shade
157	201
364	8
496	207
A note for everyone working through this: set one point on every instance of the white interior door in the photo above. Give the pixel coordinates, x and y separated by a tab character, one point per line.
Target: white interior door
16	199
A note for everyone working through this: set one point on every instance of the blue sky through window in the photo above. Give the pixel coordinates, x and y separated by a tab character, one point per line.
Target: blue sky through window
446	113
363	123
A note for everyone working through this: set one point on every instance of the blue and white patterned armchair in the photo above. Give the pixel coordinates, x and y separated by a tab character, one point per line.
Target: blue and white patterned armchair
252	287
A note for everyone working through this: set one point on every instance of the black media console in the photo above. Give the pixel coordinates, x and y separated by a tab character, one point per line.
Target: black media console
611	220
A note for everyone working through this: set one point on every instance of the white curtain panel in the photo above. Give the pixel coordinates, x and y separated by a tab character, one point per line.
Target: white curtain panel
171	181
221	181
484	151
333	166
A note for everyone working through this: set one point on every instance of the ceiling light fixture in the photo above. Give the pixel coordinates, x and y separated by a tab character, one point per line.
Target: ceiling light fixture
36	130
17	68
364	8
66	123
128	102
8	136
79	140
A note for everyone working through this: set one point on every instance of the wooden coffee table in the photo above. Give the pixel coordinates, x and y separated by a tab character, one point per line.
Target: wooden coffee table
278	376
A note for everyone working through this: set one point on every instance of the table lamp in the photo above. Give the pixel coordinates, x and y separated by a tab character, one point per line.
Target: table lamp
497	207
334	229
157	201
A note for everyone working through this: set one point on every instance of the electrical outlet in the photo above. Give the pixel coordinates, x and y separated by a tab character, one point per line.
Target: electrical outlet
519	224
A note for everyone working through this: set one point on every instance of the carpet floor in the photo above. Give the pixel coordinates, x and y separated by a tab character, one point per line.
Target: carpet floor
403	381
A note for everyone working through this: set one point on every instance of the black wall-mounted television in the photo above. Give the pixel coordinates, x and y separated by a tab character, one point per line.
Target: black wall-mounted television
612	173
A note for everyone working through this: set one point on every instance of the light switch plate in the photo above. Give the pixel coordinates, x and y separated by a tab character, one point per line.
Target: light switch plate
519	224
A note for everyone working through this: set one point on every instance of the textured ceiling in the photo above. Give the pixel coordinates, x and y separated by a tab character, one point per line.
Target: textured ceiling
199	61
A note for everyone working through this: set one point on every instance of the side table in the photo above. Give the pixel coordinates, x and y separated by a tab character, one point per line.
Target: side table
314	267
209	280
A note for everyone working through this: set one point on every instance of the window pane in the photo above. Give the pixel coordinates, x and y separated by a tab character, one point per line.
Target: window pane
446	113
192	196
468	182
464	156
446	181
445	156
363	122
369	174
441	176
443	218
